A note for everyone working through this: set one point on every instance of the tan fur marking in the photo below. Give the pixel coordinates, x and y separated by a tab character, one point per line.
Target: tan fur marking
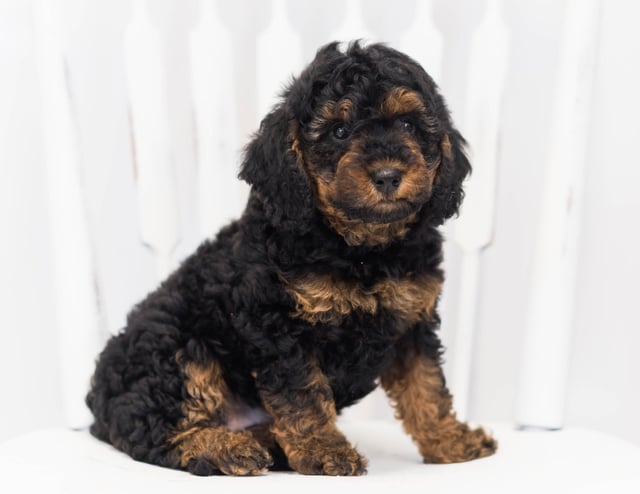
417	179
400	101
202	434
297	150
414	298
423	403
445	147
233	453
308	435
328	299
206	390
356	232
340	110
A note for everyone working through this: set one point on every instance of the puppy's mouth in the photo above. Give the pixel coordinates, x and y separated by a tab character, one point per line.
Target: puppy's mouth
385	212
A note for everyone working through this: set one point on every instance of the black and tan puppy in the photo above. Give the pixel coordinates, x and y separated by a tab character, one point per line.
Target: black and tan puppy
325	287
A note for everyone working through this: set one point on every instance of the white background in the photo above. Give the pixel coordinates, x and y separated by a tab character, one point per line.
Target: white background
604	372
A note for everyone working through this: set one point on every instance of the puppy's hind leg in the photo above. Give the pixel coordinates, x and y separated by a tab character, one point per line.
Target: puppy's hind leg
202	442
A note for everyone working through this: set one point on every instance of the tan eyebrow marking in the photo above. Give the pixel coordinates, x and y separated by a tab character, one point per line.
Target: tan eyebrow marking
340	110
331	111
401	100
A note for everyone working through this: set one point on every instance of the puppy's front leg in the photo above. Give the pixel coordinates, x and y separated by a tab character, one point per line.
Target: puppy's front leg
415	385
300	401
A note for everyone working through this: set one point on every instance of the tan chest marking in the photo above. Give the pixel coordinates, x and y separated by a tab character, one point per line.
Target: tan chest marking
328	299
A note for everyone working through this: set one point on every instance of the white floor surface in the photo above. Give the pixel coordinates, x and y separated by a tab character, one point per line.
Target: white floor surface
567	461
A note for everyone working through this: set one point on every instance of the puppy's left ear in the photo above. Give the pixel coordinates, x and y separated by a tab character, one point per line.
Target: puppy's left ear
272	166
454	166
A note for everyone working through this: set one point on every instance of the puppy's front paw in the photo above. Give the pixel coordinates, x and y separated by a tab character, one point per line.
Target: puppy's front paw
315	458
481	444
463	444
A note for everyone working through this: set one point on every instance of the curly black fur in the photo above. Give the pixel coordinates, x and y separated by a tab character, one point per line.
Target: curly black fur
228	303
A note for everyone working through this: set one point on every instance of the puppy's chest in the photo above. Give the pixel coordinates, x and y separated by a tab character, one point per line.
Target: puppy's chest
334	299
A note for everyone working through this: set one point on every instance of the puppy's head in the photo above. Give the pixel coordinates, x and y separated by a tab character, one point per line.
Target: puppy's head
362	138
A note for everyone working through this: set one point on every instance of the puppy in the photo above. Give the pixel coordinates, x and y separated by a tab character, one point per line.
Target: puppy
326	287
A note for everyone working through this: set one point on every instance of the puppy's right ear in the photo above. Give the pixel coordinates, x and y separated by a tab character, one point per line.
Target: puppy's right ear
447	188
272	166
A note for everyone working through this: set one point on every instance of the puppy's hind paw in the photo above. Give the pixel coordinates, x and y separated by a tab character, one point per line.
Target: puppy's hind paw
201	467
245	458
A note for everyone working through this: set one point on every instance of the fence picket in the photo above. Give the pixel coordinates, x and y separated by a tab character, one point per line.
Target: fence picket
279	57
75	288
424	42
155	180
473	230
353	26
216	129
543	388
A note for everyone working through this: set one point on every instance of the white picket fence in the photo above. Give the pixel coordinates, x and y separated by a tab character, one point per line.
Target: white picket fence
145	106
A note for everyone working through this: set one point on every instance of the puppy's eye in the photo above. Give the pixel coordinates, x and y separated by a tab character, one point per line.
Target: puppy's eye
407	126
340	131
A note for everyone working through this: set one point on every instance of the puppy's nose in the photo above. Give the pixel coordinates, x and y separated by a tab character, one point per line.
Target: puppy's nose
387	180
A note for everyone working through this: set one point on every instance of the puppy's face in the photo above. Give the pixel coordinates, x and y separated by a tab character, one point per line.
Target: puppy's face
372	158
364	138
